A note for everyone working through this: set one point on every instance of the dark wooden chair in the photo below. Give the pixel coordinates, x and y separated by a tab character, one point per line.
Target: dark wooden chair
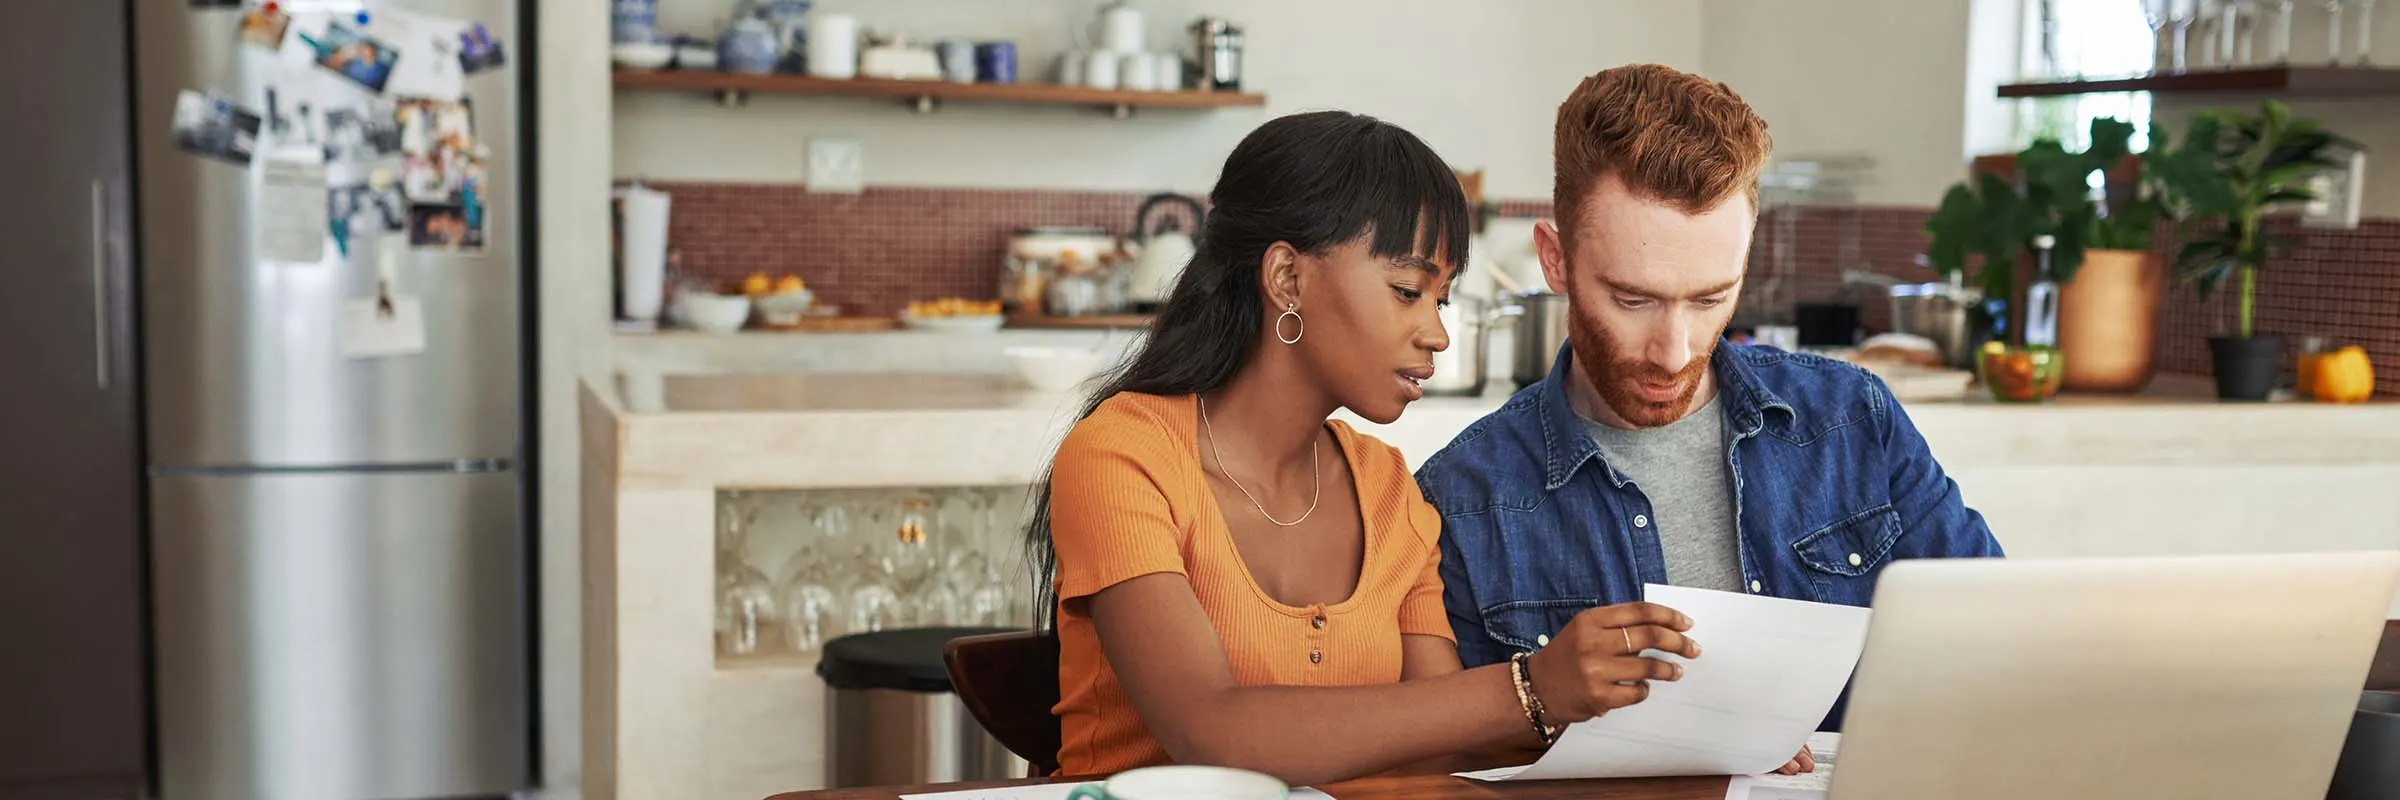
1009	681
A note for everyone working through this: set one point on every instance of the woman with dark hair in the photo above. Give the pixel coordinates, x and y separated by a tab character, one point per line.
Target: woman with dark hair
1238	579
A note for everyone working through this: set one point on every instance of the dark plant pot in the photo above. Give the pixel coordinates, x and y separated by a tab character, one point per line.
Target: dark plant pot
2246	369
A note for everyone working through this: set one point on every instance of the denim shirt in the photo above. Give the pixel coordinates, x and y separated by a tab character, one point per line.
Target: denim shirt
1830	482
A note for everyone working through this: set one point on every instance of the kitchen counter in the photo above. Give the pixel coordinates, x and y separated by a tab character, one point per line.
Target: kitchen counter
777	429
2170	471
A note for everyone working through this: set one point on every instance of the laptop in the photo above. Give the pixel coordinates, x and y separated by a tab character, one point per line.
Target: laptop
2188	677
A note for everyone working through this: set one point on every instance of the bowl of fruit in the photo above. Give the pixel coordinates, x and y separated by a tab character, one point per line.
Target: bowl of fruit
2020	373
781	301
953	315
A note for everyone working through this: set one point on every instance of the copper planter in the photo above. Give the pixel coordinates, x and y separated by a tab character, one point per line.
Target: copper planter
2108	321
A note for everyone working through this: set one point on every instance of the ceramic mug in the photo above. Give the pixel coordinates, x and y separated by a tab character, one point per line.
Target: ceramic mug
1176	782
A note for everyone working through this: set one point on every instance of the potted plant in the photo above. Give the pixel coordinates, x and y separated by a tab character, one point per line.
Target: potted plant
2234	169
2042	194
2111	281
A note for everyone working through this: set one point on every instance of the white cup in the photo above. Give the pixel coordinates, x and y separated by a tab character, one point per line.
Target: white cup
1168	69
1181	781
1135	74
1070	68
833	46
1100	70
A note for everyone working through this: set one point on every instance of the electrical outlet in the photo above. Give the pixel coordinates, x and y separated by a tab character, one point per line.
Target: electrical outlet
836	166
2338	192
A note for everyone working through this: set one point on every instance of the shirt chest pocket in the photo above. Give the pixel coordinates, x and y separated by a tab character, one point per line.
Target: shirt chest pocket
1842	558
1527	625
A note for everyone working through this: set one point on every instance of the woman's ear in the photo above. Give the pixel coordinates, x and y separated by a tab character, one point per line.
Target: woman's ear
1279	277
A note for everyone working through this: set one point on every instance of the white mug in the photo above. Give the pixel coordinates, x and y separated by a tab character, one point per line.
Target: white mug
1135	74
833	46
1070	67
1100	70
1176	782
1167	67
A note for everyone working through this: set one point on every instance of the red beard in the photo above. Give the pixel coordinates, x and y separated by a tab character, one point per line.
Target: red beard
1617	380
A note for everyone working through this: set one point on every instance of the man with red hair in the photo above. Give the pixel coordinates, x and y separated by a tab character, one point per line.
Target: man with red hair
1656	451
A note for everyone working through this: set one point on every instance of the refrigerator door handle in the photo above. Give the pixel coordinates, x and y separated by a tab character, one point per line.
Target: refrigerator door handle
100	282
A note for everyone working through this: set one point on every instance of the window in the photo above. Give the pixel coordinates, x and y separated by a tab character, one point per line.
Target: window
2091	39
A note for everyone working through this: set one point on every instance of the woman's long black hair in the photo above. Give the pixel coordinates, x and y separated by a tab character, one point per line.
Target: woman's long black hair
1315	180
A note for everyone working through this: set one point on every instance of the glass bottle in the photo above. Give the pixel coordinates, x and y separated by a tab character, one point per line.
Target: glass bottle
2041	298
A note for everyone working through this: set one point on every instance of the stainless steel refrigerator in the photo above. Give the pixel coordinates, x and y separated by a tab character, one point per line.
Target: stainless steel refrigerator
339	550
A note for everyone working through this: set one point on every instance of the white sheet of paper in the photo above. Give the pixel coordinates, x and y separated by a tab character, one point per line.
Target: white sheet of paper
291	207
367	333
1769	670
1805	786
428	45
1056	791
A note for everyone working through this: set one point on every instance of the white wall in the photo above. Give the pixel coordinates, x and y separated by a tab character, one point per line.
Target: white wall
1881	77
1481	82
574	182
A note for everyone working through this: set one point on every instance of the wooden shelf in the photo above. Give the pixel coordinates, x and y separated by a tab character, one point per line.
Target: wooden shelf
2286	81
924	96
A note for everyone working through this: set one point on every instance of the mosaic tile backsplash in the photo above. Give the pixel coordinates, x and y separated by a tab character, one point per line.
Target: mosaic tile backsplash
873	252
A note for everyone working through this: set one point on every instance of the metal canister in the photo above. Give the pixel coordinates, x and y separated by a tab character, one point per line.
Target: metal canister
1217	45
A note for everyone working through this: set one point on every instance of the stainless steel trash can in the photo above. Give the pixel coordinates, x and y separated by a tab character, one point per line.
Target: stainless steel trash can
892	719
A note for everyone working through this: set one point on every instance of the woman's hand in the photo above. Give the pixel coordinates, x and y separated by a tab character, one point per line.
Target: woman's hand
1804	762
1594	664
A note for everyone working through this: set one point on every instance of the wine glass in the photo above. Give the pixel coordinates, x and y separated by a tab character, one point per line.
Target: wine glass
875	603
748	621
2333	31
2366	32
2279	46
2159	15
812	612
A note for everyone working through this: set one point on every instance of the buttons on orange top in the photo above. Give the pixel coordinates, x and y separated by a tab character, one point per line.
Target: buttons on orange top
1316	656
1318	623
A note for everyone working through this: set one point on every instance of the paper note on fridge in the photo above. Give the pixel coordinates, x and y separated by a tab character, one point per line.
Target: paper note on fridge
372	330
1768	671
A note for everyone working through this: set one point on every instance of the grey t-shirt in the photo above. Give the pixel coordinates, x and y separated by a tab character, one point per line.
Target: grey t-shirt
1681	469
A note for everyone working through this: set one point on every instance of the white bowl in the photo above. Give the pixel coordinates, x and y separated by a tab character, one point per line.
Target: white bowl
784	308
692	56
715	313
1056	369
643	55
955	324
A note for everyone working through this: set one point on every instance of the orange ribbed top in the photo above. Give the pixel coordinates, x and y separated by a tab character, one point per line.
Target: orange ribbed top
1127	499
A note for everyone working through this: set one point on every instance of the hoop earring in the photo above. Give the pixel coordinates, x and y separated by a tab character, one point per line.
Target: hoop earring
1299	328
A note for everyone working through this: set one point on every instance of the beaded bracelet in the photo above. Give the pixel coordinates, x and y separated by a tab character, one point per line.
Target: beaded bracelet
1531	702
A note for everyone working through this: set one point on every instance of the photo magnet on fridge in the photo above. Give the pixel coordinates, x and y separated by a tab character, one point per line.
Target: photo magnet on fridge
478	51
264	26
443	226
350	54
212	125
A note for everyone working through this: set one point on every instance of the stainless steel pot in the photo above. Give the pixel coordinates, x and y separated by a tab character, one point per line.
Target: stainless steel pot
1540	328
1939	312
1460	369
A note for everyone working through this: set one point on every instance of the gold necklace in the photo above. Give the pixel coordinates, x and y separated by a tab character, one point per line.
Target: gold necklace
1316	479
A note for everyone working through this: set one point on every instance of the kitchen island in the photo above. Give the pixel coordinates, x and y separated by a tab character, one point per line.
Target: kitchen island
670	458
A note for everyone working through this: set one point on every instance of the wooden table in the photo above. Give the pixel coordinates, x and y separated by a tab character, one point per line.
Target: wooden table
1426	782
